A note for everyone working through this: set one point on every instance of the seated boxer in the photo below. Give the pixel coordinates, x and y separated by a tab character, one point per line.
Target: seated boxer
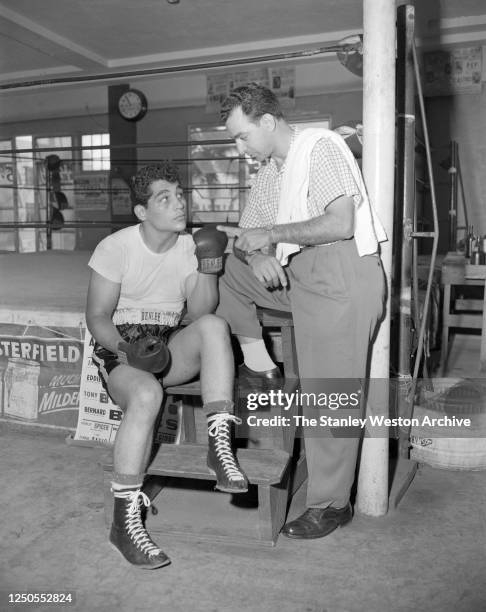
141	278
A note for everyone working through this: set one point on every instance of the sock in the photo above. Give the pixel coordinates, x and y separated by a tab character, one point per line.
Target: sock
126	482
256	356
218	406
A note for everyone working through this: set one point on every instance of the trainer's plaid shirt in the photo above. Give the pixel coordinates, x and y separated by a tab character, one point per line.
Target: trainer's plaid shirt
330	178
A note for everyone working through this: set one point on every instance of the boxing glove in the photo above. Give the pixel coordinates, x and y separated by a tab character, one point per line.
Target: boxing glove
147	353
210	246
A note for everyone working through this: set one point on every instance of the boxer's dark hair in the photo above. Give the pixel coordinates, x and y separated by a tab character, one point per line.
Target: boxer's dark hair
141	182
254	100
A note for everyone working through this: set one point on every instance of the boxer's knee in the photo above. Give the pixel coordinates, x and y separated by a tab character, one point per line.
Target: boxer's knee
146	399
213	327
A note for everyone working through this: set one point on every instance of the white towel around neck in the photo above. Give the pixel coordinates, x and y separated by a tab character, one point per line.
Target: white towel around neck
295	187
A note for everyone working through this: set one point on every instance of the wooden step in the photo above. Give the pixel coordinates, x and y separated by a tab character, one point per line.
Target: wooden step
190	388
262	466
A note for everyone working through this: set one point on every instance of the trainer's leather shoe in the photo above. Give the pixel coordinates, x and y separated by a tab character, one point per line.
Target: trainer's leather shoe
317	522
259	380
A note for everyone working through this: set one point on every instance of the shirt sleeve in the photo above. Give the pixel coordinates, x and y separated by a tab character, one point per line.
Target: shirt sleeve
108	260
330	178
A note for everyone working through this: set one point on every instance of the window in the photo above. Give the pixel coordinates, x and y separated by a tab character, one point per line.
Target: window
8	236
95	159
219	177
26	193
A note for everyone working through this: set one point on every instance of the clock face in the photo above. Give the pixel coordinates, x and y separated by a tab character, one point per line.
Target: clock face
132	105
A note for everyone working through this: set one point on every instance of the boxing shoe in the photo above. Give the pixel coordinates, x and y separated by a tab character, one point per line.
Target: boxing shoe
255	381
128	534
317	522
221	459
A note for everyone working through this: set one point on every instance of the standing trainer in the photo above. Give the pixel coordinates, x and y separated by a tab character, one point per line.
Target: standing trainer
307	243
141	279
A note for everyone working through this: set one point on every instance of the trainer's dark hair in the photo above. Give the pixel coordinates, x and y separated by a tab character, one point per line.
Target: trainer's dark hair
255	100
140	182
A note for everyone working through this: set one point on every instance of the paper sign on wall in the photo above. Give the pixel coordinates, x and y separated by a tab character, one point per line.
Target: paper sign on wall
281	80
453	71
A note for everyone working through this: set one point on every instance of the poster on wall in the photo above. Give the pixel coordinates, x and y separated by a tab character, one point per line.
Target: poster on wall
121	203
282	83
91	192
6	195
454	71
99	417
250	75
6	173
281	80
39	378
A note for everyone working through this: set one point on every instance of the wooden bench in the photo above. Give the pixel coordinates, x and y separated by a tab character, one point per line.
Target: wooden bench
272	471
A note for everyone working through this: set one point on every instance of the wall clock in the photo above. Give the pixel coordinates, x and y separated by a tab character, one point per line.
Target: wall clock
132	105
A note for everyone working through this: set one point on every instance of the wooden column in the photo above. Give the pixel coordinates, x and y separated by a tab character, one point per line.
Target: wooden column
378	171
122	132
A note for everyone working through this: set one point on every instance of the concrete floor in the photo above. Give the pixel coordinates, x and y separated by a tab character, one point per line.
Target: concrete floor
429	554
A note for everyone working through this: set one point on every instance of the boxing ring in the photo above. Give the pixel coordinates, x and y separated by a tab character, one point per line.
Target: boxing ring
42	329
42	332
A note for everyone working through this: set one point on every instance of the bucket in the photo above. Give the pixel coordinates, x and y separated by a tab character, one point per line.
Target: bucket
457	447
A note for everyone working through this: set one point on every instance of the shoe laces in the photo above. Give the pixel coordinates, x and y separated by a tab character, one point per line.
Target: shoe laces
219	428
133	521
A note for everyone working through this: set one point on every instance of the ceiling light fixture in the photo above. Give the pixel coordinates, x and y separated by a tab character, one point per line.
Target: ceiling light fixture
173	1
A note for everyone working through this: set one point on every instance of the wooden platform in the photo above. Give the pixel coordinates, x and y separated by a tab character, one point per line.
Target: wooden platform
273	472
185	489
262	467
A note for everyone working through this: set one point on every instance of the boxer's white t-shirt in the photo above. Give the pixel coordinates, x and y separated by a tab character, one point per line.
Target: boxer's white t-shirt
150	282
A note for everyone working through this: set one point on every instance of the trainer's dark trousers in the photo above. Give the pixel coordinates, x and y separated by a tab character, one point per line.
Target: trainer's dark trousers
336	299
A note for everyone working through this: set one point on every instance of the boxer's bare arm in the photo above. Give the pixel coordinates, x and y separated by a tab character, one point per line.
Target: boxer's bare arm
102	299
202	294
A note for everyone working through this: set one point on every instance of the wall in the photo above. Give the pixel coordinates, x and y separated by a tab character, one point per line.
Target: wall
323	87
84	108
174	102
170	125
461	118
164	91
